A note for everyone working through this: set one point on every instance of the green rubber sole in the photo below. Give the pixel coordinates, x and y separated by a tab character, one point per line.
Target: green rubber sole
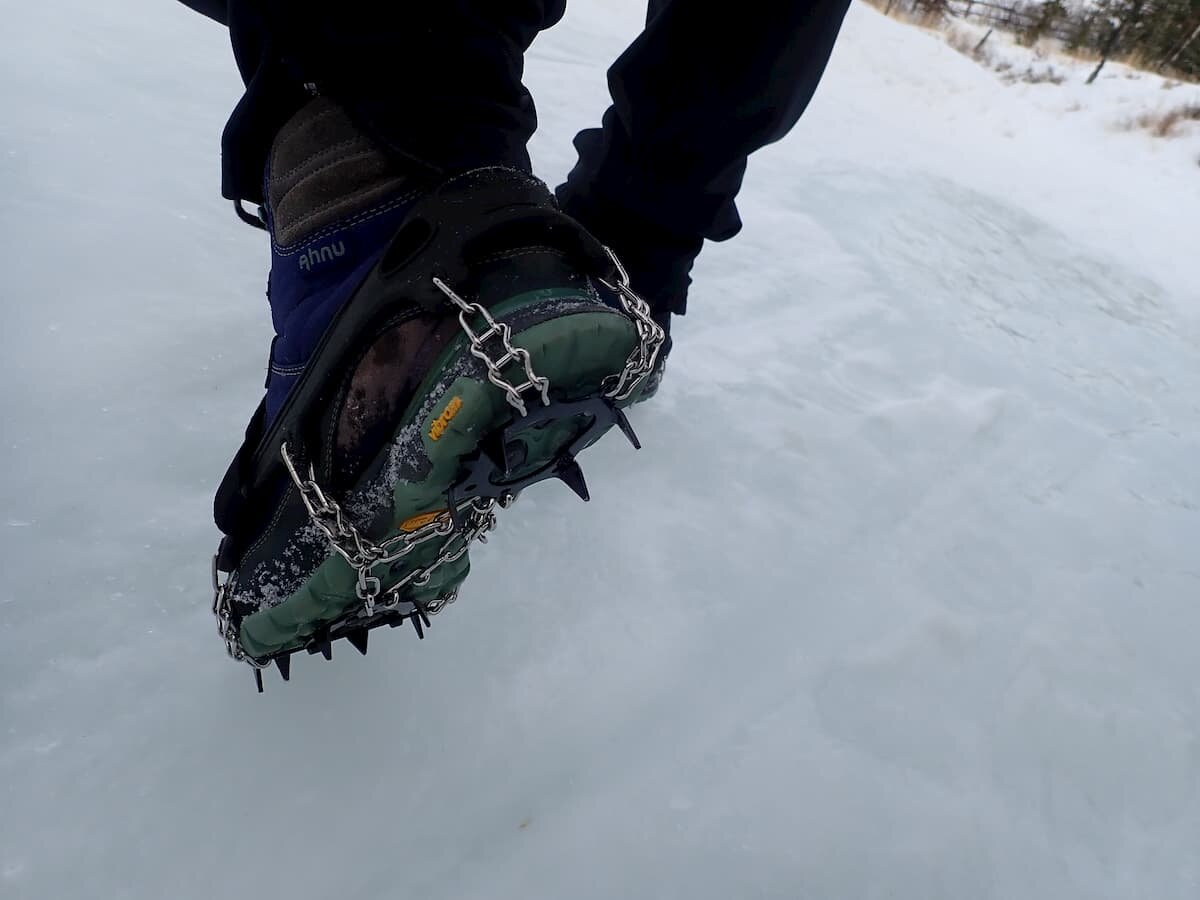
576	351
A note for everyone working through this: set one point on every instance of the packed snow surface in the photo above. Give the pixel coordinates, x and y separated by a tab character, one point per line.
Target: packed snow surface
902	598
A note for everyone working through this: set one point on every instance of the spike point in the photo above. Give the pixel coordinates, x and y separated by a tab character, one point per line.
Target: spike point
284	664
416	623
316	643
626	429
496	449
452	505
258	679
358	640
571	475
327	651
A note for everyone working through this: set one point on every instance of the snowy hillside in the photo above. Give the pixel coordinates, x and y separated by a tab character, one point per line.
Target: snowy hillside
902	598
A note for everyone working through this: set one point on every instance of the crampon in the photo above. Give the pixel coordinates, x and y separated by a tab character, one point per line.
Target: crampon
327	540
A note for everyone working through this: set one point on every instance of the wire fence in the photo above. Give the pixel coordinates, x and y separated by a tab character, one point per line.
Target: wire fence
1161	35
1020	19
1010	18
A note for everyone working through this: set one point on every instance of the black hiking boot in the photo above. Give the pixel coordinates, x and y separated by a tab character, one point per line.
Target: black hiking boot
440	346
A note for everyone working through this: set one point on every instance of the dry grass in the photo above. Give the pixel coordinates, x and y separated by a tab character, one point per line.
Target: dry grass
1164	124
1084	54
1132	61
1036	75
902	11
934	20
1167	124
969	44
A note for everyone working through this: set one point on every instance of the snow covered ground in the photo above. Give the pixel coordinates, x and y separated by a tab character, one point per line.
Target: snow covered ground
901	599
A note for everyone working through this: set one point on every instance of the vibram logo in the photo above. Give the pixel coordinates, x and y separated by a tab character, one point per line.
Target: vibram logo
420	520
442	422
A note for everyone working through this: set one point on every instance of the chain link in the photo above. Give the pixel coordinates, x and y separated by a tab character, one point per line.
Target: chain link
363	555
651	335
502	332
223	610
476	515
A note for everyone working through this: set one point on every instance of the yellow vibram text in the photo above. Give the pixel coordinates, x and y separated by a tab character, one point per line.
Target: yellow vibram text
442	422
421	520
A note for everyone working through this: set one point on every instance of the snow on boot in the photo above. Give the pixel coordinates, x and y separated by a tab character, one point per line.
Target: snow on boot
440	347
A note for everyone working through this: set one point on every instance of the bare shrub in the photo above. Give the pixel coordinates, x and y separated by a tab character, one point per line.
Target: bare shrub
1045	75
1168	124
1163	124
1035	75
970	46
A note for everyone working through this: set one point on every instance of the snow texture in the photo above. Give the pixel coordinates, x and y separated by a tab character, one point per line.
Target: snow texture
900	600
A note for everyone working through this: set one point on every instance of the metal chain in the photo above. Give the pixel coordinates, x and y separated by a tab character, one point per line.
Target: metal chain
363	554
501	331
223	610
651	335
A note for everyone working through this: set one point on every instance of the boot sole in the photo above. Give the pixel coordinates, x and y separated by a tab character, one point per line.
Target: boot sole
455	414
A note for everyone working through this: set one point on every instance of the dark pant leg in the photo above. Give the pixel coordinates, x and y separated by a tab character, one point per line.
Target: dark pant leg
215	9
437	83
704	86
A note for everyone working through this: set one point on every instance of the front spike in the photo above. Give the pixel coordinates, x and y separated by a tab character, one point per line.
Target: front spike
284	664
496	450
626	429
258	679
327	651
571	475
416	623
358	640
456	519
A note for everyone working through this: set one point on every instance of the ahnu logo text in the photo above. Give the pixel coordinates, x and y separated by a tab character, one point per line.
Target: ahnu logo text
317	255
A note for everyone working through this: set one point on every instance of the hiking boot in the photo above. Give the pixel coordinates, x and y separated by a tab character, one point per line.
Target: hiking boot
440	347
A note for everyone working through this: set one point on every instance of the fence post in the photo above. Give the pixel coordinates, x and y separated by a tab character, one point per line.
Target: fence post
1178	52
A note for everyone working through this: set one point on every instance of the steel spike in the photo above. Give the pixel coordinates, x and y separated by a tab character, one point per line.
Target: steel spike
571	475
258	679
416	623
496	449
455	515
284	664
358	640
626	429
327	651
